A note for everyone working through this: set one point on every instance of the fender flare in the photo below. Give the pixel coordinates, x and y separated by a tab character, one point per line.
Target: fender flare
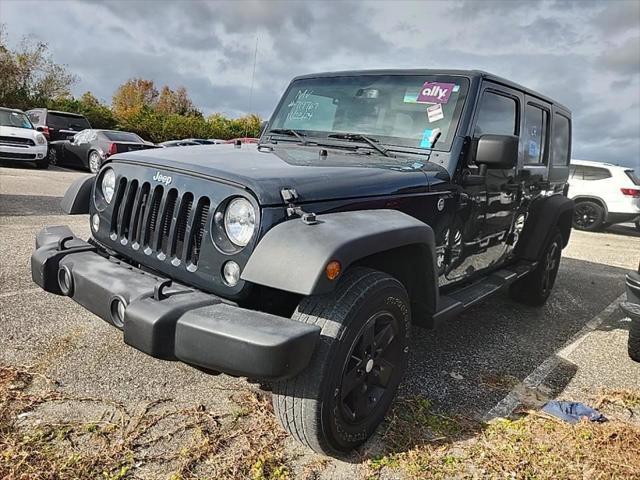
545	213
292	256
77	198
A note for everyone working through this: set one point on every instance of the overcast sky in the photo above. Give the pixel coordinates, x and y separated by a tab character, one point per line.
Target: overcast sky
585	54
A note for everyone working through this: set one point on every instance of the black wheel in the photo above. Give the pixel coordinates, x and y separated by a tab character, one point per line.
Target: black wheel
94	162
588	216
42	164
633	344
637	224
52	156
535	288
337	402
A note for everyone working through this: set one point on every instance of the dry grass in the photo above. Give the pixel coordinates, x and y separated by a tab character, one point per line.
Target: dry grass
425	444
159	441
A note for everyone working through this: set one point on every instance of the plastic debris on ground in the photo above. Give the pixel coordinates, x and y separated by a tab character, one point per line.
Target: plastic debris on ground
572	412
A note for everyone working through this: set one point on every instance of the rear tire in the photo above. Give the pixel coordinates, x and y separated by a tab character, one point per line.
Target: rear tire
338	401
535	288
588	216
94	162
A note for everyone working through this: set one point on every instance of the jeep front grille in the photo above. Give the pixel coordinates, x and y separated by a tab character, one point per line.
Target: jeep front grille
160	221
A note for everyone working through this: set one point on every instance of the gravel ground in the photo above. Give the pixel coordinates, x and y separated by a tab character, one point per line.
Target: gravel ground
464	366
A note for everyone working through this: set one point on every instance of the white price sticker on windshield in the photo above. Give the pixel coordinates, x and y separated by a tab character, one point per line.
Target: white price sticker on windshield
435	113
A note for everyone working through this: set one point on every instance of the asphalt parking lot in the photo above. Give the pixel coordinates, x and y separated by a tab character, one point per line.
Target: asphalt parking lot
573	346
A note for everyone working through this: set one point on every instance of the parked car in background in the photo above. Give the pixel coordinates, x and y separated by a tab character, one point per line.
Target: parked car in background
177	143
216	141
604	194
89	148
243	140
200	141
57	125
19	139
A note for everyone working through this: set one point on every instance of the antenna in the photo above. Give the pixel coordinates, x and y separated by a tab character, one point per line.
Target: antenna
253	76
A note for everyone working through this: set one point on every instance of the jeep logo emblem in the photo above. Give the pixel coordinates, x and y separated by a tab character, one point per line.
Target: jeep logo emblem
159	177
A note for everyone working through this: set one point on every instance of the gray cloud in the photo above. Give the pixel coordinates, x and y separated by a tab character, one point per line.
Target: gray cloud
583	53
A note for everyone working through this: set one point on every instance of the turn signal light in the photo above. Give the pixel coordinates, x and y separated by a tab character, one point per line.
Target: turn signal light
333	269
630	192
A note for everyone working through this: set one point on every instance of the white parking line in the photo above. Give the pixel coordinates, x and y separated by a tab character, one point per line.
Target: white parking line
508	404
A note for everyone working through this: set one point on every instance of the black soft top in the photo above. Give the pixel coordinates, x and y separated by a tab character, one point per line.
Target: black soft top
470	74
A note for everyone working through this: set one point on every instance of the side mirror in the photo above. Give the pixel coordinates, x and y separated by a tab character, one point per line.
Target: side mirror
263	127
497	151
40	128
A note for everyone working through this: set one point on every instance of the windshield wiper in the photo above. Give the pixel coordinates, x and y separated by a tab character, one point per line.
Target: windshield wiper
291	132
357	137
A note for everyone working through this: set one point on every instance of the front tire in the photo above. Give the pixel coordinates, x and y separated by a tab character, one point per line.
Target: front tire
637	224
588	216
633	343
338	401
535	288
52	156
94	162
42	164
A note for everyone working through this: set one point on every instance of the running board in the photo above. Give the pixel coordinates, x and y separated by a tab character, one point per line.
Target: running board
459	300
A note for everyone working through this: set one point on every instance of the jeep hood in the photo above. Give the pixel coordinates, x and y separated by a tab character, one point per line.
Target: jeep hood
340	174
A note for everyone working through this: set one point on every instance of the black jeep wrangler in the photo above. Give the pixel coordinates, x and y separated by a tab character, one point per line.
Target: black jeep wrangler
376	201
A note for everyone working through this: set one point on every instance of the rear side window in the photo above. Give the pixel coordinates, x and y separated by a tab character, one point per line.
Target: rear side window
536	122
584	172
122	137
35	116
497	115
561	140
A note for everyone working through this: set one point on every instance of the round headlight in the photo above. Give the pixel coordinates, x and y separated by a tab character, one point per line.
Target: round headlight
40	139
108	185
240	221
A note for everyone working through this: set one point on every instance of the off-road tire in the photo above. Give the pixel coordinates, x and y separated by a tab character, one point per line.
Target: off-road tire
535	288
633	344
52	156
593	211
310	406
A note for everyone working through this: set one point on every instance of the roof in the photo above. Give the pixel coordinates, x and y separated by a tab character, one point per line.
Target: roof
595	163
59	112
479	74
11	109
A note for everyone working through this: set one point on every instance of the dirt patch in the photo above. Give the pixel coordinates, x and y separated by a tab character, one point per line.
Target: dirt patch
45	434
427	444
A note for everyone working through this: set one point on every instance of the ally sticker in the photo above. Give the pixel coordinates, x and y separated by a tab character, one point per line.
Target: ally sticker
435	92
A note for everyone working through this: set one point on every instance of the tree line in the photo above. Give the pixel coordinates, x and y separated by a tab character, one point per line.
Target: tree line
29	78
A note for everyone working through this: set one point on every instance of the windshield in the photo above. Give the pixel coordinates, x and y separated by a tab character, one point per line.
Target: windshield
14	119
123	137
396	110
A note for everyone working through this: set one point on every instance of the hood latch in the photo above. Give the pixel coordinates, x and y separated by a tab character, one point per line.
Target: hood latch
289	195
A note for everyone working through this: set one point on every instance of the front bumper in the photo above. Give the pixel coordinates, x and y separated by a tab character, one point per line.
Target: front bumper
168	320
25	153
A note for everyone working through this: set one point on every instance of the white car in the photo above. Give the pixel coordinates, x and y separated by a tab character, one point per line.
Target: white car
19	140
604	194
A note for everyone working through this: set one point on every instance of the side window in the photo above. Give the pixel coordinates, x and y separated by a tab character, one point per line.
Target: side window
572	172
497	115
561	140
536	122
596	173
34	117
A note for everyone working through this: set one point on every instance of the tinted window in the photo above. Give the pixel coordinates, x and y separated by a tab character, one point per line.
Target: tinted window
535	132
583	172
632	175
561	140
67	122
122	137
497	115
